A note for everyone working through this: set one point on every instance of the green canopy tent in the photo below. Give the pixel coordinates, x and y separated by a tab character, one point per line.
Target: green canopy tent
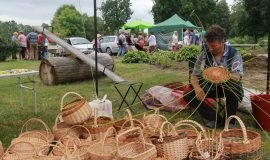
138	24
164	30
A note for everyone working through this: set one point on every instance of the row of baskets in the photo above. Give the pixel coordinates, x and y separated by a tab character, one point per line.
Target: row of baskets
151	137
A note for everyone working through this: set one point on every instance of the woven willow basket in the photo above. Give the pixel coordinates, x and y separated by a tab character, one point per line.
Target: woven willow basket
216	74
75	112
36	133
139	150
169	144
25	150
192	134
129	124
240	141
10	156
105	149
152	123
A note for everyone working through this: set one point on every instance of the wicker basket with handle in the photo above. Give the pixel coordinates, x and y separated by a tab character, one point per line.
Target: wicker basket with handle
119	123
152	123
105	149
170	145
75	112
25	150
137	150
35	133
192	134
240	141
60	128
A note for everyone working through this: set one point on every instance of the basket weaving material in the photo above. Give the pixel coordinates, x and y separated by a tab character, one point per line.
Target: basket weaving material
105	149
60	129
240	141
36	133
10	156
152	123
75	112
216	74
192	134
135	150
171	146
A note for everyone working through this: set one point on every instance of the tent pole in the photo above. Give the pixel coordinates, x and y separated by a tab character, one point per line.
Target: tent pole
268	66
96	62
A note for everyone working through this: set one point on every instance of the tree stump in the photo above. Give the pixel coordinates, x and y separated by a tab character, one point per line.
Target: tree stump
57	70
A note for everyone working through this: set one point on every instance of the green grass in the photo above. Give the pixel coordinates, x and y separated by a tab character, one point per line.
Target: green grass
13	116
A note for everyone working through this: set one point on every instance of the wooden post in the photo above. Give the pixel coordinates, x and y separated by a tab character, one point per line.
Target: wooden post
96	61
268	67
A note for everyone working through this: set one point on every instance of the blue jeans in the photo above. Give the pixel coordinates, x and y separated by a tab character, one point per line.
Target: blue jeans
122	50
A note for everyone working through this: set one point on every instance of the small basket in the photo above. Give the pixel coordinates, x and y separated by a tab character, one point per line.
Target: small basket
192	134
136	150
76	112
81	129
35	133
24	149
41	156
170	145
117	124
98	126
105	149
152	123
60	129
216	74
240	141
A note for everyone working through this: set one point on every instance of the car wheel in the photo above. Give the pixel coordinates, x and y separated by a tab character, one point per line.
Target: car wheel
109	51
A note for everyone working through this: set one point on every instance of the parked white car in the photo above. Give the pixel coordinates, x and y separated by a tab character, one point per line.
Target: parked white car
80	43
109	44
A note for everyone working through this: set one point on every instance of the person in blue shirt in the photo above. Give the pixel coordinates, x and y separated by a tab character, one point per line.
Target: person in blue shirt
216	53
32	37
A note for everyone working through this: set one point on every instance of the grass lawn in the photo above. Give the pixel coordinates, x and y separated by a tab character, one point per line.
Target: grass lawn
13	116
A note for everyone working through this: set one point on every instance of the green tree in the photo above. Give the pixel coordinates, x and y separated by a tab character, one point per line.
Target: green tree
115	13
222	15
89	27
67	21
192	10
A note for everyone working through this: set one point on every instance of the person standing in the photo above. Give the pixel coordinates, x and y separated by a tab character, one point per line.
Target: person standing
197	37
33	42
23	43
152	42
99	43
122	44
186	41
174	41
216	53
14	39
191	37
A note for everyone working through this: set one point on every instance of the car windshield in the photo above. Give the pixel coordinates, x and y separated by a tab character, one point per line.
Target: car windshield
79	41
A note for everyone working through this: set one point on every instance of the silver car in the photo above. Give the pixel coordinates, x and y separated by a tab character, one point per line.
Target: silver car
109	44
80	43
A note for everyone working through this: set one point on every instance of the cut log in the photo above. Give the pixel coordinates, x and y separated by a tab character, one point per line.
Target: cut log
57	70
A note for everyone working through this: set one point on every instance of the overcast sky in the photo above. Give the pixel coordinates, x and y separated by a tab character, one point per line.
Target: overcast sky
36	12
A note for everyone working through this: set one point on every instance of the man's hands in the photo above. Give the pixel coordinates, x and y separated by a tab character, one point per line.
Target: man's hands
200	94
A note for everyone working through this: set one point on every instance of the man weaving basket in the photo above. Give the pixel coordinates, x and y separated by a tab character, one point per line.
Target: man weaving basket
217	74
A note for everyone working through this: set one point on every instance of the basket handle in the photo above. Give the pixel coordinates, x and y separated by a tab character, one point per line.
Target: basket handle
192	124
57	119
162	127
132	123
68	93
242	125
39	151
24	134
19	142
81	127
107	134
126	132
37	120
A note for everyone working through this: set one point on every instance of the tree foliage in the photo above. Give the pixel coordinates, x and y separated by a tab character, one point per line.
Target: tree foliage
115	13
68	21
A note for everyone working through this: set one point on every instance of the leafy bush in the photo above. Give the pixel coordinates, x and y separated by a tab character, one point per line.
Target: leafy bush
263	41
242	40
187	52
162	58
136	57
7	47
244	52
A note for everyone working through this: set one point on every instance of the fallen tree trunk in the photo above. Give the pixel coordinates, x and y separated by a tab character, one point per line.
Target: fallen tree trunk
57	70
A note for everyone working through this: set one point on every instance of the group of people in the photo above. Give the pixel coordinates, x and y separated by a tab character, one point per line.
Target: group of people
33	46
129	43
191	37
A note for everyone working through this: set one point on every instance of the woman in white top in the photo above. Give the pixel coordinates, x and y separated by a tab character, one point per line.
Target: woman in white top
174	41
186	39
